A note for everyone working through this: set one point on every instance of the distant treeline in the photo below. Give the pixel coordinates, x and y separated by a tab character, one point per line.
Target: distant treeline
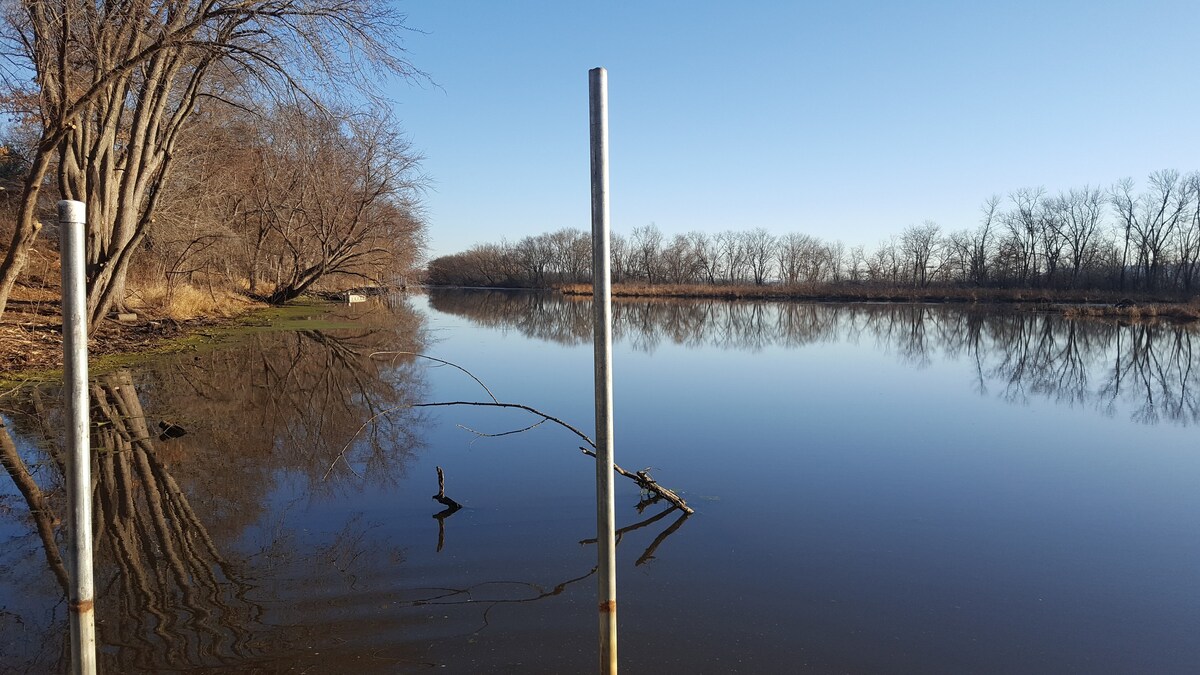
1119	238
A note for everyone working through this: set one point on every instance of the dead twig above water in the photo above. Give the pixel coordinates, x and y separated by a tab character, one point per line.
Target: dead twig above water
642	478
452	507
441	497
468	373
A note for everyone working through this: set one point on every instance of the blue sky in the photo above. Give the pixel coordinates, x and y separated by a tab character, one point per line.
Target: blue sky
846	120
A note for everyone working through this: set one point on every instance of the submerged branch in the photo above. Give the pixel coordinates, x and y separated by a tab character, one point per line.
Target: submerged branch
642	478
647	483
450	504
452	507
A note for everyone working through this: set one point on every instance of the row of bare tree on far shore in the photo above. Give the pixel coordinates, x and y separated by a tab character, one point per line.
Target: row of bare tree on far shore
208	139
1115	238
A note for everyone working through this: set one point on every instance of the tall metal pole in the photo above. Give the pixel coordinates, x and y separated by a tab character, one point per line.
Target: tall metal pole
602	341
71	222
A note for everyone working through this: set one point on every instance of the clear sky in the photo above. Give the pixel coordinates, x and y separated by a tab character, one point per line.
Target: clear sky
846	120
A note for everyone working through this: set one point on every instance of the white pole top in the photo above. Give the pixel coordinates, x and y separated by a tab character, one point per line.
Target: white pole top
70	211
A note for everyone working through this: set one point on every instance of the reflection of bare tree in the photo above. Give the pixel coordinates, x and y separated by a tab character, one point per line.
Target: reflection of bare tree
299	398
1154	370
177	600
39	508
1020	355
171	592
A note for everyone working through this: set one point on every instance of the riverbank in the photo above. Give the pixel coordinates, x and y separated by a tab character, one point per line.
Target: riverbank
1069	302
31	336
31	343
160	320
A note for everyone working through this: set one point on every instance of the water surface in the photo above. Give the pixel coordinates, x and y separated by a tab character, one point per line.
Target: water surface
879	488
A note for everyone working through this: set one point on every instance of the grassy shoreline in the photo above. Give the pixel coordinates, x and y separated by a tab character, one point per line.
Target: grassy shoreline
36	347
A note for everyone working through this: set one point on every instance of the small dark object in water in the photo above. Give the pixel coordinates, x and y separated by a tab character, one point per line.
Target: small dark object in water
170	430
1124	303
450	504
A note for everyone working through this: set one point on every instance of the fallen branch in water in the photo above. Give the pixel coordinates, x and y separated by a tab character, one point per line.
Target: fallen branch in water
642	478
449	503
647	483
452	507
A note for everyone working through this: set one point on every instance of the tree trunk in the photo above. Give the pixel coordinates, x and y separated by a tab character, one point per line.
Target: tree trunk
27	227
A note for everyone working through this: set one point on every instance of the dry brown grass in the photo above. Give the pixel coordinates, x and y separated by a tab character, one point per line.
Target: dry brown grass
1181	312
185	302
31	337
30	330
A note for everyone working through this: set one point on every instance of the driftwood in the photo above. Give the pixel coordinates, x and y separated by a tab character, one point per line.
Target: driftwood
643	478
452	507
450	504
647	483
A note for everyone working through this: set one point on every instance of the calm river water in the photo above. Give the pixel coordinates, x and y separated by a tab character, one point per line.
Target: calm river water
878	489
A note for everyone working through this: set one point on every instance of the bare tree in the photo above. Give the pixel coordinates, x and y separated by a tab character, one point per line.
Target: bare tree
835	254
116	84
1081	212
359	221
732	255
981	243
958	256
922	248
790	253
856	263
647	247
760	253
707	256
1150	219
619	252
680	263
1187	238
883	266
572	254
1124	204
1024	224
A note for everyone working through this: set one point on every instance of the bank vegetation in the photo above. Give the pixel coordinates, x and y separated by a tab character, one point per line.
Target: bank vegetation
221	150
1083	244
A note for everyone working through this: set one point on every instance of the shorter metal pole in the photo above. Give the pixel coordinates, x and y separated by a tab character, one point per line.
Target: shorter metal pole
72	224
